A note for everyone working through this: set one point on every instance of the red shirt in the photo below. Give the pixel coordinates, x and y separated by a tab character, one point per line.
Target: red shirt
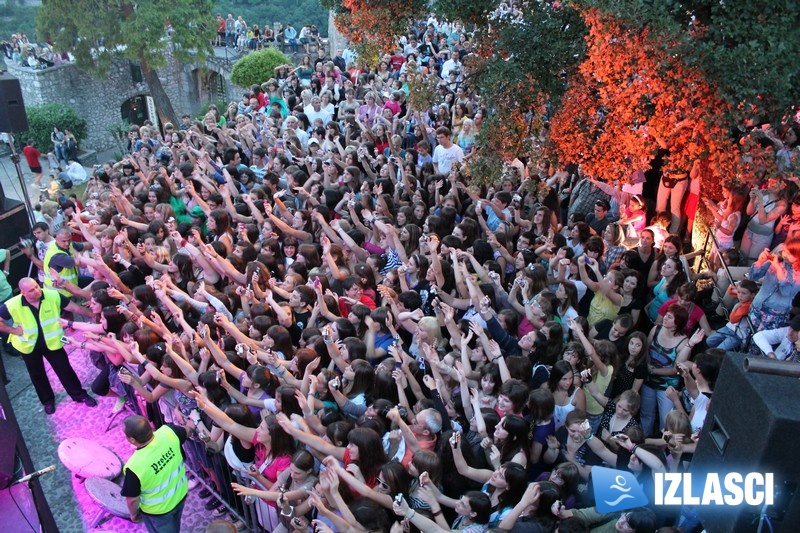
397	61
344	307
32	156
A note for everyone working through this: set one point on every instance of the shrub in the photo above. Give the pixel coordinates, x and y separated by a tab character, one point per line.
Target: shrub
42	120
257	67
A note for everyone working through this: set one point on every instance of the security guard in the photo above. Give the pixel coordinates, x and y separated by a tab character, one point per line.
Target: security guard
36	334
60	257
155	483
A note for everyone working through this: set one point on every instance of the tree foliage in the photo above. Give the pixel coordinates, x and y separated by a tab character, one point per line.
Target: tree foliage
748	50
17	19
147	31
258	67
630	97
42	120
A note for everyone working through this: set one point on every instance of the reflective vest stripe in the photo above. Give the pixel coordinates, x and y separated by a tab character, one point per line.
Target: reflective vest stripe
167	495
46	323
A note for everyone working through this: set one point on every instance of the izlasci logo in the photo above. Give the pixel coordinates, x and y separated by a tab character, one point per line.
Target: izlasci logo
616	490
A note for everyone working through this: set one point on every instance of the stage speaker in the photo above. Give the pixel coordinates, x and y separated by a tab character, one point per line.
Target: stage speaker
8	452
12	109
14	224
753	425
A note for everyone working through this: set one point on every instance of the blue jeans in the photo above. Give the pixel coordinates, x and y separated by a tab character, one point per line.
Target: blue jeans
724	338
165	523
652	400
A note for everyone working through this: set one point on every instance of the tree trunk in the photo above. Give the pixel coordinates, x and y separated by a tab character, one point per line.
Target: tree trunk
164	108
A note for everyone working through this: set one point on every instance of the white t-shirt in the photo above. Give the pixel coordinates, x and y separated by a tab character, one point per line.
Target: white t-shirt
445	157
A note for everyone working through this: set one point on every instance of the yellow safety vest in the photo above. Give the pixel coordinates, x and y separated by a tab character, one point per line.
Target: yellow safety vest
161	472
67	274
49	315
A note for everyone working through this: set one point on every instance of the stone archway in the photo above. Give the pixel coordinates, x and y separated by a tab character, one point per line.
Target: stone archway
208	86
134	110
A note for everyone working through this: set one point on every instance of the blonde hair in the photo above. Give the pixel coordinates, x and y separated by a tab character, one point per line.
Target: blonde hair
431	327
162	254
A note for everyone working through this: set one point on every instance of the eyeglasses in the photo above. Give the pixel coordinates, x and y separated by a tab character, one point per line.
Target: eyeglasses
383	484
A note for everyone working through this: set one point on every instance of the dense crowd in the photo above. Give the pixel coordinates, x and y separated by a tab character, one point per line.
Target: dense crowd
236	33
309	280
23	52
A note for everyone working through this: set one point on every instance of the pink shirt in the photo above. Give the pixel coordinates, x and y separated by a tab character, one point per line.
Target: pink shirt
273	468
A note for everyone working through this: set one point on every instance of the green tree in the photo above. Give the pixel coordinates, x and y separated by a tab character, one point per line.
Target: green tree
748	50
258	67
147	31
42	120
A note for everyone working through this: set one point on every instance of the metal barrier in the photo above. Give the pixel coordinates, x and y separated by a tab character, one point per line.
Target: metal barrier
710	237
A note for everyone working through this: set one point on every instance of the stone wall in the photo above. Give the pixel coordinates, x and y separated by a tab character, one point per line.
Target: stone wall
99	101
335	39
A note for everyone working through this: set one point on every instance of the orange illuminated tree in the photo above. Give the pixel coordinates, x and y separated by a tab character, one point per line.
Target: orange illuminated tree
632	96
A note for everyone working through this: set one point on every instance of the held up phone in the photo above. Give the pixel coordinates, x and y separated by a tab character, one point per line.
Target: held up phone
65	340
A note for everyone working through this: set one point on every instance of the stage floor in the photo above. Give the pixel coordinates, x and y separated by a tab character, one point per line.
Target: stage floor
72	507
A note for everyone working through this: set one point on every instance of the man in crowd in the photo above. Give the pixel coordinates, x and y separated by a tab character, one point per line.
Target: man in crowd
32	155
446	153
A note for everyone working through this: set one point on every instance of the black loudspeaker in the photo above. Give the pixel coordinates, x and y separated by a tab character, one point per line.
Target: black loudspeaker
753	425
14	224
12	108
8	452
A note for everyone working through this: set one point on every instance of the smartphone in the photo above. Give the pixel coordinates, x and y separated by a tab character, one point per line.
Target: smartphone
398	499
65	340
317	282
589	261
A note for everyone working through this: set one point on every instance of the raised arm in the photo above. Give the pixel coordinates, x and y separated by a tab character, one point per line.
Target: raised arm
222	420
319	444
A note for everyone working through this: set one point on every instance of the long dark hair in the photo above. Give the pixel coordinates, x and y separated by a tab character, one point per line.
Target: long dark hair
559	370
281	442
517	439
517	481
370	451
